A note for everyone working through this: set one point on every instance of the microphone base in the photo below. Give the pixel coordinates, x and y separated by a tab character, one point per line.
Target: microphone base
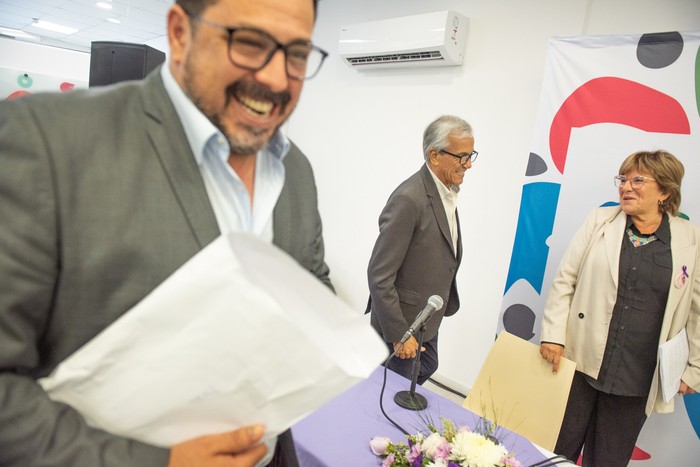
410	400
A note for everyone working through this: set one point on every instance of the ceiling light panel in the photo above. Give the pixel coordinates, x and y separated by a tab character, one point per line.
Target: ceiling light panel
53	27
141	20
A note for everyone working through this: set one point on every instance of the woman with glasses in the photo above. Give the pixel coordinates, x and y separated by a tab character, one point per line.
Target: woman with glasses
625	285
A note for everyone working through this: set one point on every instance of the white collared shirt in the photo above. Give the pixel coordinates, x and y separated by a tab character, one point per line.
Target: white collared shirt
449	202
228	195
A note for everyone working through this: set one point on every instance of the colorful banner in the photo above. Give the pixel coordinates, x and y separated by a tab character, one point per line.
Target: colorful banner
603	98
18	83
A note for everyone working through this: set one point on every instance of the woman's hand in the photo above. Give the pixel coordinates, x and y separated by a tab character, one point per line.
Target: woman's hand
552	353
685	389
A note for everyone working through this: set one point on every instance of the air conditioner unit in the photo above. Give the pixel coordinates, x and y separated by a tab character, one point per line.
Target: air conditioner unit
430	39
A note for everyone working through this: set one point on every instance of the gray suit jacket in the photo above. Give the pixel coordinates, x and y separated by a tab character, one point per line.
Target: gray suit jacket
100	200
413	258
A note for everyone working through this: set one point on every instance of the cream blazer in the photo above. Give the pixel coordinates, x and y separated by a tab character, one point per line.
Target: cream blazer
580	303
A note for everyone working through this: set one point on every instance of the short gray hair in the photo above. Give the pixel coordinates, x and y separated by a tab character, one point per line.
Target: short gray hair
437	133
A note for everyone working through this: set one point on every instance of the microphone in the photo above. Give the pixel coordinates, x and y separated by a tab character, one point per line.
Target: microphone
434	303
410	399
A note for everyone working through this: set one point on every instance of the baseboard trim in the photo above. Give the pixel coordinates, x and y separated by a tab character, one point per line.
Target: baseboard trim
449	385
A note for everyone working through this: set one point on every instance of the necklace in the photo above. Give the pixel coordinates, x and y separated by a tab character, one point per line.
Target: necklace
640	241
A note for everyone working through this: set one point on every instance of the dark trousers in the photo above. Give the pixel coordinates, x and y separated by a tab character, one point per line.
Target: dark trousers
428	361
606	426
285	453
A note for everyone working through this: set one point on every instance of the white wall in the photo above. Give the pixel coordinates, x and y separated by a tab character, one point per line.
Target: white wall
44	59
48	60
362	132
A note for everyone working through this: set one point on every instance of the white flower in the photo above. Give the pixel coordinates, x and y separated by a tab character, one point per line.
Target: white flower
431	443
474	450
465	448
378	444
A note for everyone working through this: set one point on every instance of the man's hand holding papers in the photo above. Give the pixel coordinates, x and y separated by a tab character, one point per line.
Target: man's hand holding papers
194	357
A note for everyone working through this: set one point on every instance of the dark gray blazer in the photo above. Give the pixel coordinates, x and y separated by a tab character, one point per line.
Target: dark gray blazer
100	200
413	258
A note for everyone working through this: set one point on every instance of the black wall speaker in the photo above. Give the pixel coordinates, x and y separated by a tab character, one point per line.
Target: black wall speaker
111	62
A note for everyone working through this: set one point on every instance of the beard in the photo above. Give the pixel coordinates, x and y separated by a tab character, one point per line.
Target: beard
243	139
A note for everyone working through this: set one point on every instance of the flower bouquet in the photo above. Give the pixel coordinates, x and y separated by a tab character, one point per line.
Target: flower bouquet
452	447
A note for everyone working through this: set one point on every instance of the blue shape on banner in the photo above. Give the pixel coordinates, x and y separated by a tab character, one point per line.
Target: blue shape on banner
692	406
538	207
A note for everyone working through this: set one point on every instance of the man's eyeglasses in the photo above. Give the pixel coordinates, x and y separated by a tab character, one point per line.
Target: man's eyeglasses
252	49
463	158
636	182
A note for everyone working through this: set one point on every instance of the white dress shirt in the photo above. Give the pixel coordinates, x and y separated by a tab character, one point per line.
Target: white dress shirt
449	201
228	195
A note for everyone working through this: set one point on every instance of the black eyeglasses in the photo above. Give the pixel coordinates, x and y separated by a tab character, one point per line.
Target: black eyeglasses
463	158
252	49
636	182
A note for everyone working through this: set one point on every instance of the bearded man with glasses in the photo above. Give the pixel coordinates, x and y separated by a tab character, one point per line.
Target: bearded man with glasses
104	194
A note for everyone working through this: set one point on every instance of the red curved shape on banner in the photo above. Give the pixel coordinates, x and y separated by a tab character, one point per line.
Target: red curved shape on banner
614	100
639	454
17	94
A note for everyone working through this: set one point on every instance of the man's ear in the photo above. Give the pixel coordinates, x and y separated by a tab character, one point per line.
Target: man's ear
433	157
179	34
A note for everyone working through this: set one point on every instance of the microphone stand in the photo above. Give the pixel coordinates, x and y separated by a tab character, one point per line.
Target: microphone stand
410	399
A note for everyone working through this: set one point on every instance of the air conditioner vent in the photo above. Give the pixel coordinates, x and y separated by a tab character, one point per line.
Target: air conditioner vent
396	58
429	39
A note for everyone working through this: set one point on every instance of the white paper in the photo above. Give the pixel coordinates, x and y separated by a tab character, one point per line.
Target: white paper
673	360
239	335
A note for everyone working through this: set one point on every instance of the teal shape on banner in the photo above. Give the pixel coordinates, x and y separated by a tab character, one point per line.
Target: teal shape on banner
25	80
538	207
692	406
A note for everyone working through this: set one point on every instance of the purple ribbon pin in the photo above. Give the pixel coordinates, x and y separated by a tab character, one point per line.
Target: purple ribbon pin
685	271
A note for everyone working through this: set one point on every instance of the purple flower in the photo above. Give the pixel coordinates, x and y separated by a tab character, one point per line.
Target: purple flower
415	454
389	460
418	461
452	464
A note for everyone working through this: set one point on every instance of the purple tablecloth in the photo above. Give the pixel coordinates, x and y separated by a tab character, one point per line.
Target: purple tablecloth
338	433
